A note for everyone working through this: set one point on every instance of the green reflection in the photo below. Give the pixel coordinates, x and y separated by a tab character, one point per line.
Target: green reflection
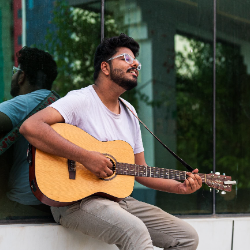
194	72
168	98
73	45
233	113
233	78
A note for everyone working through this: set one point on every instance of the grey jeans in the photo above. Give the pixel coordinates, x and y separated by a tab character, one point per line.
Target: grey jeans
129	224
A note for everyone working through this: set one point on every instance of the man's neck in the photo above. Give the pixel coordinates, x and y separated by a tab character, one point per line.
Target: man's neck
27	88
109	94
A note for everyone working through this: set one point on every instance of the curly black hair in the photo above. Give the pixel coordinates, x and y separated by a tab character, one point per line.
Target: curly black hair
107	48
39	67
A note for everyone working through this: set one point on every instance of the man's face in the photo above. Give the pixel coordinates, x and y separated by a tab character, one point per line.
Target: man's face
15	88
123	73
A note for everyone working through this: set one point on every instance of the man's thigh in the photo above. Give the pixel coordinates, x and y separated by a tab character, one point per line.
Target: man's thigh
166	230
107	221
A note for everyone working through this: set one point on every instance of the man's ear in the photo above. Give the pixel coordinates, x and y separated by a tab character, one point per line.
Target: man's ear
21	78
105	68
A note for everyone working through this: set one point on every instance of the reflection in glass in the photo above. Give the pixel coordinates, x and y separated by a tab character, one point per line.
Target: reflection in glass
233	120
175	104
174	94
73	45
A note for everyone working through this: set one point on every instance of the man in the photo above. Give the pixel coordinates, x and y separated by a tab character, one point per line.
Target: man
31	83
129	224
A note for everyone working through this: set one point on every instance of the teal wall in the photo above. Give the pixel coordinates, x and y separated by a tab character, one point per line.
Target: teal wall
1	61
6	49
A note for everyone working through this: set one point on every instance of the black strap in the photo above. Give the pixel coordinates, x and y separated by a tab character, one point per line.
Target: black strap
14	134
169	150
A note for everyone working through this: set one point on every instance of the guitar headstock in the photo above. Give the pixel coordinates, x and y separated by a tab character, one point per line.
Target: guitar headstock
219	182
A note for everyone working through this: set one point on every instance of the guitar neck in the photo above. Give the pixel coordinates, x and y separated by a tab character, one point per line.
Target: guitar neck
147	171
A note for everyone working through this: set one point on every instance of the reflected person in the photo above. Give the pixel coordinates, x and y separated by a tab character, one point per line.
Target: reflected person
31	83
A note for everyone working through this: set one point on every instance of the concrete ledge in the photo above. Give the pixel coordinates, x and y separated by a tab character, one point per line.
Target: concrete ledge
214	233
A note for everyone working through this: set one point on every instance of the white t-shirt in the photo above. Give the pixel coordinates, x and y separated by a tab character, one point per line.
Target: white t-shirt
84	109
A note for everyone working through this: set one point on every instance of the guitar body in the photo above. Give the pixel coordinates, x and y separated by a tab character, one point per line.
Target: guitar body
49	174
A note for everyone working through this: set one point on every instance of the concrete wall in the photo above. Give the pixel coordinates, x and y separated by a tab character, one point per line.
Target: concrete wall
214	233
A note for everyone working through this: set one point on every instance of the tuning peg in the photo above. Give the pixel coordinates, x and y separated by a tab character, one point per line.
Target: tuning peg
211	172
217	173
217	191
223	192
224	174
210	190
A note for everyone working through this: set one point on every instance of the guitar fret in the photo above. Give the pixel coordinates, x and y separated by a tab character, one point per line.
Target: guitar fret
126	171
177	176
139	172
156	172
162	171
119	170
152	172
166	174
171	174
182	175
131	170
148	171
142	171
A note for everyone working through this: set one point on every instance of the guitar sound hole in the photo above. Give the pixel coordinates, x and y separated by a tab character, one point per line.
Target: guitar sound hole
113	161
113	168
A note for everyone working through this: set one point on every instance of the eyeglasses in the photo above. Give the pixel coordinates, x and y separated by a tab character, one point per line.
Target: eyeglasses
14	70
129	59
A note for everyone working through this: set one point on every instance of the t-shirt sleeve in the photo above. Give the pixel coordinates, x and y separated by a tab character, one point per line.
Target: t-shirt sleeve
69	106
15	109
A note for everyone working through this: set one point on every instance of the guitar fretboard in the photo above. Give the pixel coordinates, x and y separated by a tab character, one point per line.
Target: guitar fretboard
146	171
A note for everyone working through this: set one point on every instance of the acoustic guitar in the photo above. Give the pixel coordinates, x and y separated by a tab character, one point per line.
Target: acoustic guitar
57	181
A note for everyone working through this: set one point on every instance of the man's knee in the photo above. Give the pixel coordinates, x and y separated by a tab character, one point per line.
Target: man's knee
134	237
194	238
186	238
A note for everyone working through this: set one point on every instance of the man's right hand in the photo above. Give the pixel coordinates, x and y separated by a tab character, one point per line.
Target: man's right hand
98	164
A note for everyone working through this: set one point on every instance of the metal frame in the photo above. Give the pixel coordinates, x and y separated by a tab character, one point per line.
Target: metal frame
214	104
102	19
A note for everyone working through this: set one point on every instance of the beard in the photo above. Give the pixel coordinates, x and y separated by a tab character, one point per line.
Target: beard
117	76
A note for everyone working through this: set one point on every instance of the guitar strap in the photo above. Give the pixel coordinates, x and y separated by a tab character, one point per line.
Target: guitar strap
169	150
14	134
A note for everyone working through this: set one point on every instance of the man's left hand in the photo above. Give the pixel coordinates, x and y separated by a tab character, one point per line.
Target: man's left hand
191	184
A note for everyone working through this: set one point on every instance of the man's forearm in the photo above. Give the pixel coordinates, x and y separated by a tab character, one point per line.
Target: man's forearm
43	137
39	133
166	185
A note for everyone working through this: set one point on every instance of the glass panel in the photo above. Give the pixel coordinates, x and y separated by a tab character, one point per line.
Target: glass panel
12	34
174	95
233	110
41	24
